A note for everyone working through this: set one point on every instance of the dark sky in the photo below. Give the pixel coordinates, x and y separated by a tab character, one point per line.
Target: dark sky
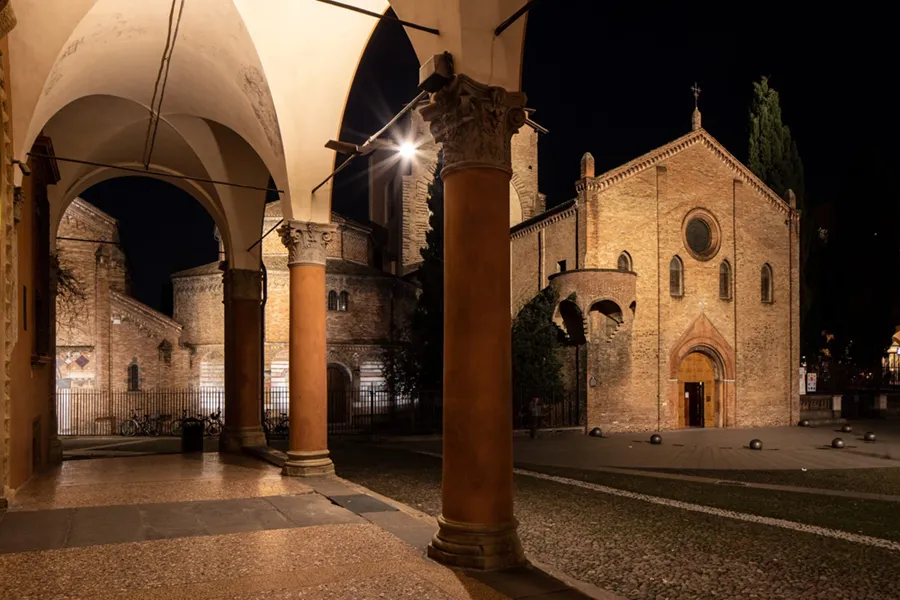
614	79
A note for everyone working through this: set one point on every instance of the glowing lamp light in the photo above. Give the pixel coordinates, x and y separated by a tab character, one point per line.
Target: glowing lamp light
407	150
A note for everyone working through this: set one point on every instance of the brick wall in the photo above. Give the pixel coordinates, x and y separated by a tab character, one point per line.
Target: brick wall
536	253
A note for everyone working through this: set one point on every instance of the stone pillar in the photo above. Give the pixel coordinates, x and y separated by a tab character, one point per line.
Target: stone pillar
475	124
243	294
307	244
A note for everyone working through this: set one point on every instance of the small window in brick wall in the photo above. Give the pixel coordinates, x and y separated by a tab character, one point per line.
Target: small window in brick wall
332	300
344	302
165	352
134	376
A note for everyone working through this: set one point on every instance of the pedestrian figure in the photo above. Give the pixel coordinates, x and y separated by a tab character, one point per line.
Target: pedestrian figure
537	412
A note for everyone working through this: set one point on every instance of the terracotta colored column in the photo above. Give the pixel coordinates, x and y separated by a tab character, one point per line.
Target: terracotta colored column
307	244
243	370
475	123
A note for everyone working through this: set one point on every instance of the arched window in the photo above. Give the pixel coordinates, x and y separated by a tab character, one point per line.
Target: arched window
725	280
134	377
332	300
765	284
676	277
344	302
624	264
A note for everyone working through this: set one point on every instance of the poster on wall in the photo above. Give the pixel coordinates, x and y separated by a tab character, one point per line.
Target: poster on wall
802	380
810	382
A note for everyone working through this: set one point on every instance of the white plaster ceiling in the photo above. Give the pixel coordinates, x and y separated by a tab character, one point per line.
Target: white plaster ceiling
276	73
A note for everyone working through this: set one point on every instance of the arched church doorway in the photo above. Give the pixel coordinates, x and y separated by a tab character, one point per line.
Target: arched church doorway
338	394
698	382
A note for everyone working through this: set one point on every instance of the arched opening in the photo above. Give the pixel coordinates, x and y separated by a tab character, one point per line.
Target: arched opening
573	324
605	318
699	384
725	280
766	294
138	306
339	393
624	263
676	277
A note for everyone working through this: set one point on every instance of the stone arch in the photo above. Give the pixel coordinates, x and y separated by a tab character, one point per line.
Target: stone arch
702	337
516	213
568	316
109	130
604	319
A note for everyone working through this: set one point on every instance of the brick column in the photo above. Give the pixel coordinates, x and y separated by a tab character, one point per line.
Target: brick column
475	123
243	295
307	244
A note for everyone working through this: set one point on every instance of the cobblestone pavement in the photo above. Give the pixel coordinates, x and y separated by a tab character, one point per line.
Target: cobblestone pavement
648	551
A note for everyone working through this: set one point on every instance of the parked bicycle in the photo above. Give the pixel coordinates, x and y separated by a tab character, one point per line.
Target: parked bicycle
178	423
213	423
277	427
149	425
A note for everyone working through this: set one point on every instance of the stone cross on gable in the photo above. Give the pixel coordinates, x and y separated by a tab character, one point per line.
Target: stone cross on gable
696	90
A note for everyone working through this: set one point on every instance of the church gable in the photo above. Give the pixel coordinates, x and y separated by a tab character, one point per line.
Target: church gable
82	219
659	157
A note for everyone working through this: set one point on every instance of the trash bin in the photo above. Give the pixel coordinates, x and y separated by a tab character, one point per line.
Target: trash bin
192	435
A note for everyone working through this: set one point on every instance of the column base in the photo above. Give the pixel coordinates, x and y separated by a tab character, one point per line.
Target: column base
307	464
234	439
475	546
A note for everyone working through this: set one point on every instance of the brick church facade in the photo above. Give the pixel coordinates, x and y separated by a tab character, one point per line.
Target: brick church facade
679	272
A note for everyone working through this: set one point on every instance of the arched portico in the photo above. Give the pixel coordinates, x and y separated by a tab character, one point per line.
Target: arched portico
260	87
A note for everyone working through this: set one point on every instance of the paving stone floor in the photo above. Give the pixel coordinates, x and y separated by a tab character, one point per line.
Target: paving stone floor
209	526
647	551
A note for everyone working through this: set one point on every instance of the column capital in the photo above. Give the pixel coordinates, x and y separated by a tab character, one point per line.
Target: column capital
475	123
307	243
242	284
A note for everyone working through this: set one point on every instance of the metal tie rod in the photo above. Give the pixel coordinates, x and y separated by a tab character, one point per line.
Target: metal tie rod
363	11
515	17
156	173
421	96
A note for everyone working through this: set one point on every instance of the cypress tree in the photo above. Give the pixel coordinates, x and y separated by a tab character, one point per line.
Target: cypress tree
773	154
774	158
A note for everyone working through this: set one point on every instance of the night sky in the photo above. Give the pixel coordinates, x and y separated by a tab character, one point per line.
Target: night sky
614	79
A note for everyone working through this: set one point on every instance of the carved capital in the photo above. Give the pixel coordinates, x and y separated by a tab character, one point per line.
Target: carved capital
307	243
7	18
475	123
242	284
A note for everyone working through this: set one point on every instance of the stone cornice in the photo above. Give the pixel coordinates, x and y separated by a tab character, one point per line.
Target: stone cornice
307	242
151	319
475	123
539	222
654	157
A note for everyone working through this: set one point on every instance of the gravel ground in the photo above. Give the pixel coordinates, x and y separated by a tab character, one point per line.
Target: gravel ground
875	481
875	518
645	551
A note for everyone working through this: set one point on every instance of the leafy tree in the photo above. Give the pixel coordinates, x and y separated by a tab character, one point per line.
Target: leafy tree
536	339
418	362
